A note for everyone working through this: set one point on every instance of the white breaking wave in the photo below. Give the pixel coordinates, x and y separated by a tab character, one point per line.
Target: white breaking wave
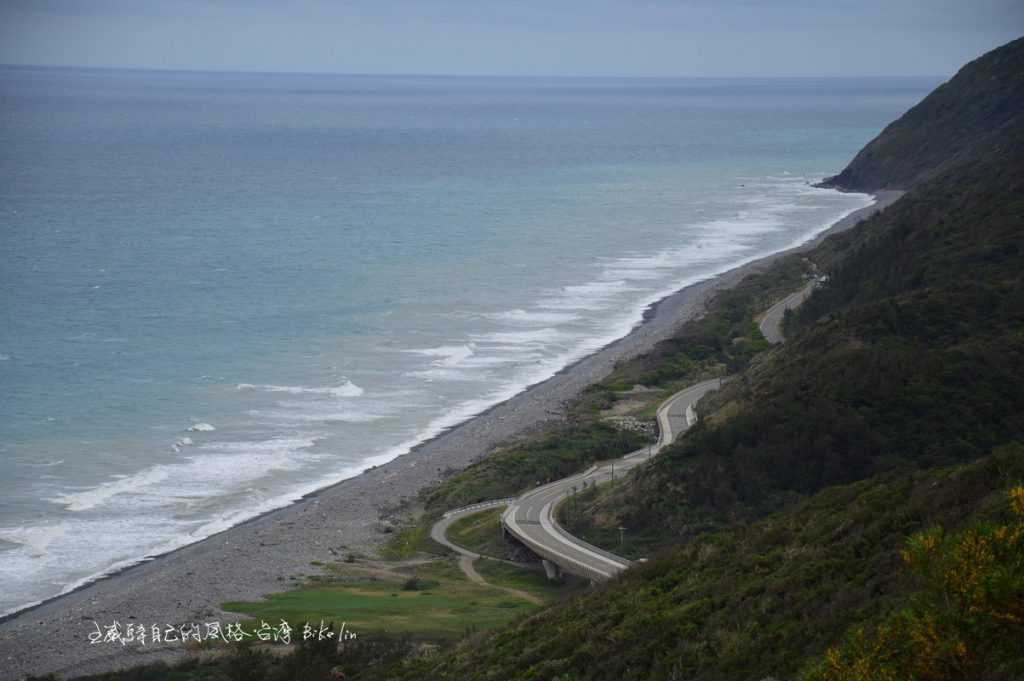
595	295
447	355
599	289
547	335
475	369
304	415
201	428
46	464
346	389
90	498
215	468
517	358
497	360
449	374
635	274
35	540
520	316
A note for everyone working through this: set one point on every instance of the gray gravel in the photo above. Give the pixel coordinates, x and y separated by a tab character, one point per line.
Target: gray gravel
260	556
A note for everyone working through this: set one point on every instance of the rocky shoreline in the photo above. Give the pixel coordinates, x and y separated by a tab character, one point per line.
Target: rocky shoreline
259	556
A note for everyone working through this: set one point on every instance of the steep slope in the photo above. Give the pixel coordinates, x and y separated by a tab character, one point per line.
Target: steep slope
895	405
781	517
964	119
752	602
909	357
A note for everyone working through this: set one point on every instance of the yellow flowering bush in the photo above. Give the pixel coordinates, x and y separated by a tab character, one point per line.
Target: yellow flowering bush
966	623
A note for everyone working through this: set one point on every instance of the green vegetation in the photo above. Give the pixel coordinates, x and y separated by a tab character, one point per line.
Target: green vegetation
444	606
782	516
961	121
575	514
311	660
966	621
909	357
533	581
555	452
760	599
551	455
480	532
723	341
892	419
751	601
412	540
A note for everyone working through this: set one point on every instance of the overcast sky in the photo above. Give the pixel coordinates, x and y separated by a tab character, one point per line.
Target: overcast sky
513	37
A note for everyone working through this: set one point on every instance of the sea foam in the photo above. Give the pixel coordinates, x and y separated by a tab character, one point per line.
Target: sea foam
346	389
447	355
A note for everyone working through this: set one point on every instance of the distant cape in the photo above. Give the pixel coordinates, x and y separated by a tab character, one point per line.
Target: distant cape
979	113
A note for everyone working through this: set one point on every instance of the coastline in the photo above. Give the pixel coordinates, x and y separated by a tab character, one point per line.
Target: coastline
254	557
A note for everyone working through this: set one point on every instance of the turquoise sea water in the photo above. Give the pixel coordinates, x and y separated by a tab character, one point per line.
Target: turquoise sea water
221	291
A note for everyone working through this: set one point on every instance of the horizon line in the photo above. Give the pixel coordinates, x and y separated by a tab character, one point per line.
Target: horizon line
396	74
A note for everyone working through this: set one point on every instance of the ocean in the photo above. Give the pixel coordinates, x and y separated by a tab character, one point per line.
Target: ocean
219	292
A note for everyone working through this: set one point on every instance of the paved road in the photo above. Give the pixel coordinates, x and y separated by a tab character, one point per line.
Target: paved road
530	518
439	533
771	324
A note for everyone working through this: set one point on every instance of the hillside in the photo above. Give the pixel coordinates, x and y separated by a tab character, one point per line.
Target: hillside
908	357
749	602
792	533
963	120
907	361
780	518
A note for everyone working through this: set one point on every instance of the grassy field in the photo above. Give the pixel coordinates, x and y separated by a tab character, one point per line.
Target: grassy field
480	532
533	581
442	606
430	601
412	540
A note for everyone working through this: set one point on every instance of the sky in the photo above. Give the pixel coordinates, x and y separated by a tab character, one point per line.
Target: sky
711	38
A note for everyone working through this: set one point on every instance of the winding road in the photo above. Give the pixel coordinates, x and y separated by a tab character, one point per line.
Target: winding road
531	517
439	533
771	323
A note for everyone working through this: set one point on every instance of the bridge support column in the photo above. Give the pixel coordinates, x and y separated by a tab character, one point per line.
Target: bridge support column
552	571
